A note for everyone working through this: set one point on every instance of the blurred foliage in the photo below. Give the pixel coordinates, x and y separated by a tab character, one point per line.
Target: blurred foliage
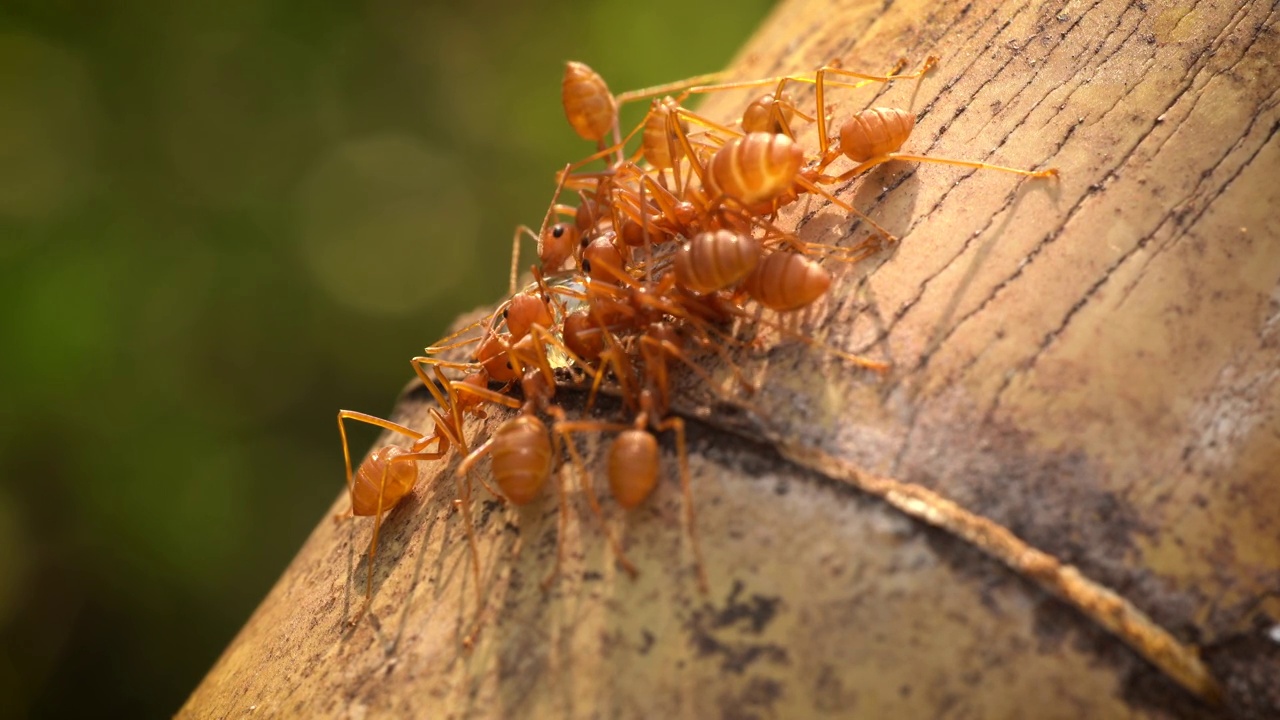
219	223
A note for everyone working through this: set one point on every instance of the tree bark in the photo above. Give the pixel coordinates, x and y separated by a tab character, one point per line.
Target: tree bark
1091	362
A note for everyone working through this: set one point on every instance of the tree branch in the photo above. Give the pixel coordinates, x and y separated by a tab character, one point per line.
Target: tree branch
1089	363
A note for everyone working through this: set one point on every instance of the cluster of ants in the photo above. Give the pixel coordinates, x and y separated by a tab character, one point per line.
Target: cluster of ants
669	253
666	249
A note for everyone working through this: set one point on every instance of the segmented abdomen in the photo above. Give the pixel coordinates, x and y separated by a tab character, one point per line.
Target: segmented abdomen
633	467
588	103
716	260
521	458
874	132
786	281
755	168
368	482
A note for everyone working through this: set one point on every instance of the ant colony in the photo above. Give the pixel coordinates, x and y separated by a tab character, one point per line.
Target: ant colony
669	253
672	252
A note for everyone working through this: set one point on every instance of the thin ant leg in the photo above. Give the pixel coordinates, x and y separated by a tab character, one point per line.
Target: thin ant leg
378	513
565	429
857	360
562	519
674	351
464	487
686	488
552	209
449	403
865	166
704	84
815	189
667	88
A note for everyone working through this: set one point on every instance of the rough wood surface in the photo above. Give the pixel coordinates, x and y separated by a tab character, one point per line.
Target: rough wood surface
1093	363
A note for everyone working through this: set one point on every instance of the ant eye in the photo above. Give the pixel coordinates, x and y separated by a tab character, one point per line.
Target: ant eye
505	312
557	231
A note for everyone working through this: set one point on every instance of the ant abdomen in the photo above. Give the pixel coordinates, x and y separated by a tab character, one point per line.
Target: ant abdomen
716	260
657	143
786	281
875	132
588	104
633	467
380	483
768	114
755	168
522	458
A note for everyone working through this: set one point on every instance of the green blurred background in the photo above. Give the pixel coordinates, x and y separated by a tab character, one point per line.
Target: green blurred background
219	223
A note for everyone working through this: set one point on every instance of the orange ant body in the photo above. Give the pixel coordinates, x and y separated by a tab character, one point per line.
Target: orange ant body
771	113
784	281
755	168
633	467
716	260
656	143
588	104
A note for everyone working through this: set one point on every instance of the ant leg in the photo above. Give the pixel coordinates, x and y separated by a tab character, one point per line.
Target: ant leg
667	88
417	364
444	433
697	119
604	152
863	167
776	111
435	349
486	394
515	254
623	373
446	342
671	349
686	488
449	416
474	456
562	526
674	129
565	430
814	188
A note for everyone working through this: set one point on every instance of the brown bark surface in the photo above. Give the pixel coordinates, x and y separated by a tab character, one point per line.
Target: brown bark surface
1092	362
